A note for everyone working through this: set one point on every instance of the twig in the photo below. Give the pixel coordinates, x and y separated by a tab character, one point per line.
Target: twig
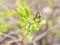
7	35
43	35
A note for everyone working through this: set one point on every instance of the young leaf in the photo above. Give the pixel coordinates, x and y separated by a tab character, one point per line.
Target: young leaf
8	13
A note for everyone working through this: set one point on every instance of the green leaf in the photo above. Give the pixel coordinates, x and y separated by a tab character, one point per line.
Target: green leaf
43	22
8	13
1	22
21	22
21	12
22	9
30	37
2	29
1	0
27	12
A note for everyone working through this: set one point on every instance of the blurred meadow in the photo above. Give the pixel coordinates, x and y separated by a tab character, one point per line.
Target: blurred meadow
29	22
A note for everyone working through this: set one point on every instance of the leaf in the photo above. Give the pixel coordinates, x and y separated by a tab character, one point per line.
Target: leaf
21	22
27	12
8	13
30	37
2	29
43	22
1	22
1	0
22	9
21	12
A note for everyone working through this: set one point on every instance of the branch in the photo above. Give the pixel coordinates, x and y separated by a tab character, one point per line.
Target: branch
43	34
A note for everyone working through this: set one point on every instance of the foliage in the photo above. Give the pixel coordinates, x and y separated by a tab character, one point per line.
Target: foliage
28	23
1	0
7	14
